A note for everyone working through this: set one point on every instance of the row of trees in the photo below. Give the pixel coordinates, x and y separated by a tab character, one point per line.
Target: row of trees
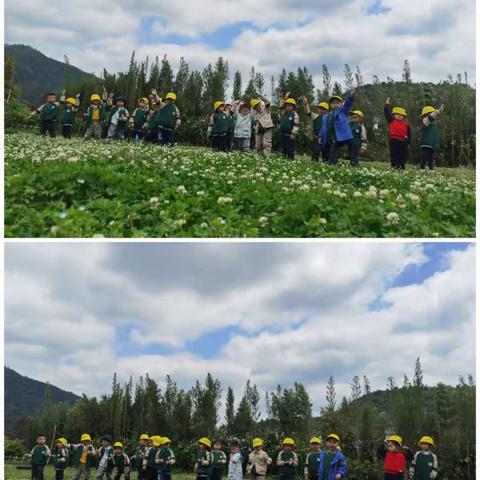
197	90
362	419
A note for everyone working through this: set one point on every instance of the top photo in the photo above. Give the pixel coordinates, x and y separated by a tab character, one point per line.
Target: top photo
239	119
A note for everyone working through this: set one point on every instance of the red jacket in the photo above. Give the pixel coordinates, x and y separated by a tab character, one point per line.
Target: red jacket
399	130
394	462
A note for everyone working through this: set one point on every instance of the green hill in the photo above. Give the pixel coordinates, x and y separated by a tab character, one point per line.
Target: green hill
37	74
24	398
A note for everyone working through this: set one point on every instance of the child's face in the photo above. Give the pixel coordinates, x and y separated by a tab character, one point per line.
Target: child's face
322	111
397	116
392	446
51	98
234	449
104	443
143	105
332	444
120	103
257	107
288	448
169	100
334	104
96	103
258	448
244	111
117	451
60	445
289	107
425	446
41	440
143	442
221	108
217	446
86	443
201	446
314	447
228	108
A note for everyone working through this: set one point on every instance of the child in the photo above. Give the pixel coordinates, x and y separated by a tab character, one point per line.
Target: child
149	465
83	458
425	463
218	127
140	453
121	462
258	460
95	116
165	459
231	126
395	458
138	120
312	461
399	134
153	130
332	464
104	455
287	460
429	138
289	125
219	460
203	465
60	458
359	142
49	114
117	121
263	125
168	119
335	130
235	471
317	121
38	457
243	126
68	114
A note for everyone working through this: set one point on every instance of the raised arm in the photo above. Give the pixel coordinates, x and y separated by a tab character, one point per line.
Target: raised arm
387	110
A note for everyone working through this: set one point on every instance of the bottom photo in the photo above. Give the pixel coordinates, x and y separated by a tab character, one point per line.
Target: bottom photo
266	361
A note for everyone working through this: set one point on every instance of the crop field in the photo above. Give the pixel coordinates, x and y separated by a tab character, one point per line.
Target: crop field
58	188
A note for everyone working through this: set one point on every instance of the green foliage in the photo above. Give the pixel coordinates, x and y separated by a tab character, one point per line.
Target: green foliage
14	447
16	116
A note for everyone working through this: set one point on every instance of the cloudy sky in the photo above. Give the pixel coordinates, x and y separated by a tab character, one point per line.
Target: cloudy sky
275	313
437	36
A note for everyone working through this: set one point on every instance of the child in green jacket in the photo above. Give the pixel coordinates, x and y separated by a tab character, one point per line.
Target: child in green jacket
358	144
424	465
218	127
68	114
203	464
317	123
139	120
429	140
149	465
165	460
219	460
83	458
60	458
287	461
48	115
312	460
121	462
38	457
289	125
104	455
140	453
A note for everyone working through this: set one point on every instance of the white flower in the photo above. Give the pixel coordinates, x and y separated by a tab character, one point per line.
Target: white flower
263	221
200	193
393	218
224	200
62	214
154	202
80	180
401	201
323	221
305	188
357	194
55	229
181	190
99	235
383	193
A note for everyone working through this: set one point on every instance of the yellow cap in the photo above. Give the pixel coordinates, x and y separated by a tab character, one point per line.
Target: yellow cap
426	439
217	104
395	438
257	442
336	97
118	444
315	440
62	440
288	441
71	100
254	102
324	105
165	440
399	111
335	436
157	440
85	437
358	113
205	441
171	95
427	110
144	436
143	100
292	101
95	96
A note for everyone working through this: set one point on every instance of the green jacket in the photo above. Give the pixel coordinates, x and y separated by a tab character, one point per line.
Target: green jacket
231	128
122	111
287	470
77	453
68	116
312	463
317	125
140	452
167	116
60	458
429	137
140	117
152	452
120	461
49	112
166	454
39	454
90	109
219	123
204	462
219	459
289	123
424	464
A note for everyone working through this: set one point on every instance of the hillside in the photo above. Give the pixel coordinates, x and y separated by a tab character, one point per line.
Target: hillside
24	398
36	74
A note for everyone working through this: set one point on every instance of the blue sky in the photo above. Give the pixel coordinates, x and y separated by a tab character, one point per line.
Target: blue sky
376	35
274	313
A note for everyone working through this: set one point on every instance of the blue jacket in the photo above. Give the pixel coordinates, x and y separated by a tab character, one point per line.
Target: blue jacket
338	465
340	123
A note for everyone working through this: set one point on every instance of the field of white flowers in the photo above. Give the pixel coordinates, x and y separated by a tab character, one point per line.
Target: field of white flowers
58	188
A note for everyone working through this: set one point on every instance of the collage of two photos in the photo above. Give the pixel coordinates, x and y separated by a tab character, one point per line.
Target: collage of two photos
239	240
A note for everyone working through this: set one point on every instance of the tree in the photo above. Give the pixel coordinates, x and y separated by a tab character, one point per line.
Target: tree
406	75
237	85
165	78
327	81
349	82
230	410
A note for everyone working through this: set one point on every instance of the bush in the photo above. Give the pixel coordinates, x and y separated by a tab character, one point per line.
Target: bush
16	116
14	448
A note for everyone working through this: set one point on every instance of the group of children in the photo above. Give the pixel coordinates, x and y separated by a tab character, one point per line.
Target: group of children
335	125
154	459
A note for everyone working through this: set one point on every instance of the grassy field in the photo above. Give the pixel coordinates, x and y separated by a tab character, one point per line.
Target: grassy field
55	188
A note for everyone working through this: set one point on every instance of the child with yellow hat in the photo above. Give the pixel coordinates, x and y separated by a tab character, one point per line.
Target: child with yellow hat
287	460
83	458
317	122
429	141
218	127
395	457
60	458
39	456
289	125
203	464
95	115
332	464
165	459
359	142
312	459
400	134
424	465
262	124
121	461
168	119
258	460
68	114
149	464
140	453
139	120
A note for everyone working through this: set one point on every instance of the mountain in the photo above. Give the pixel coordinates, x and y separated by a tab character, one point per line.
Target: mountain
37	74
24	398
